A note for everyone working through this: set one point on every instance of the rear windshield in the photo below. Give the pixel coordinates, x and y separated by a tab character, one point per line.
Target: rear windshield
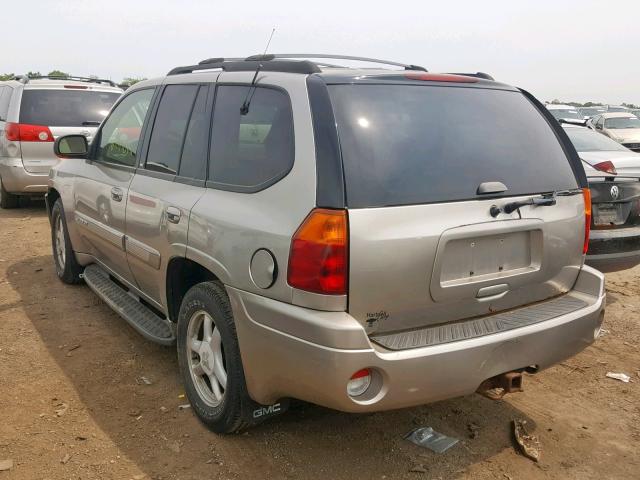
65	108
561	114
586	140
406	144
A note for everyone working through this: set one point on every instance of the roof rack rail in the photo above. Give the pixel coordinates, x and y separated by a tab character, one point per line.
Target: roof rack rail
289	62
242	65
335	57
27	78
482	75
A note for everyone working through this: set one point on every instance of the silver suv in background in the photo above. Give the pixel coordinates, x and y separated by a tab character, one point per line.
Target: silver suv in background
34	111
362	239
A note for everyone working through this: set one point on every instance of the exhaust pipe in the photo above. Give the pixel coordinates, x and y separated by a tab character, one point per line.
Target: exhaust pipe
497	387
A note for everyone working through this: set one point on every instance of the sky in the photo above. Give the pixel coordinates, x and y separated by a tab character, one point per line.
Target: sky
572	50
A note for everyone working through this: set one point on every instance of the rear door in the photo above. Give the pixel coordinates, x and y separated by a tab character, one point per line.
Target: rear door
424	165
167	185
102	184
65	110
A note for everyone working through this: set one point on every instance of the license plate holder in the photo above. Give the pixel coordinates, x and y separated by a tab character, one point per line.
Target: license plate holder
606	214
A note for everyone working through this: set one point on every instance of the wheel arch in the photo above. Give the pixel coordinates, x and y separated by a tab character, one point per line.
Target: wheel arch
182	274
50	200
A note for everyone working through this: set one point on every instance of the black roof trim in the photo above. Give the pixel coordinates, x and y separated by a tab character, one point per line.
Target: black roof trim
287	66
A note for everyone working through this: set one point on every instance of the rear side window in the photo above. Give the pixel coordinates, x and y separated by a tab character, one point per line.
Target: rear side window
65	108
170	127
5	98
250	151
407	144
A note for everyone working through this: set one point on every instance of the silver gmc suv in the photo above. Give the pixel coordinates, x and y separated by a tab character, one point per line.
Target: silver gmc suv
34	111
362	239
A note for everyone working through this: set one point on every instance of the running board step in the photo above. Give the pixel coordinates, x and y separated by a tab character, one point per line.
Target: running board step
141	318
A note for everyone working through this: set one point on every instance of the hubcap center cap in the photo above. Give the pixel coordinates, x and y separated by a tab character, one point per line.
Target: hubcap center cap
207	359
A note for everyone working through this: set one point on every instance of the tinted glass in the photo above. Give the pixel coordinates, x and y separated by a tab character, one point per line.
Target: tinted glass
169	128
5	97
589	141
622	122
418	144
65	108
249	152
193	163
120	134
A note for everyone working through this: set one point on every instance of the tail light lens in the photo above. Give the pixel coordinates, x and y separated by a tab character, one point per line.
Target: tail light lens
606	166
23	132
318	256
586	193
359	382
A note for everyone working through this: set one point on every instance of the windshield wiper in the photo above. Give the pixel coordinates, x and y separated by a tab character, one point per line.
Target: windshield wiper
90	123
546	200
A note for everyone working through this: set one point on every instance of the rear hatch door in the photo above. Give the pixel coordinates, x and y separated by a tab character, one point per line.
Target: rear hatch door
65	111
425	166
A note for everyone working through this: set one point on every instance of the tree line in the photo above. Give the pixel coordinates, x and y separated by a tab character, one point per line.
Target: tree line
126	82
591	104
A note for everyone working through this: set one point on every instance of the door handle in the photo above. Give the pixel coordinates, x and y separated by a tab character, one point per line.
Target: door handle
173	214
116	194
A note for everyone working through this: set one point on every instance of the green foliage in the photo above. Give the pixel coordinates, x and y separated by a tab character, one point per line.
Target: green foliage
128	81
6	76
57	73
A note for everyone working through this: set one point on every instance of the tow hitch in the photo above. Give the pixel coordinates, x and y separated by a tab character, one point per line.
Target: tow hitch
497	387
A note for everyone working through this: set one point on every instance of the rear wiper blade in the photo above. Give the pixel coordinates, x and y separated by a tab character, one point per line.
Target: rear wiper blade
90	123
538	201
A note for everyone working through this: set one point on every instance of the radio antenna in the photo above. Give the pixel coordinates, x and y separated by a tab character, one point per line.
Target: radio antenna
252	88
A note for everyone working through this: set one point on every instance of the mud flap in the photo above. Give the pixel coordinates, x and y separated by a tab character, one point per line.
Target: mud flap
259	413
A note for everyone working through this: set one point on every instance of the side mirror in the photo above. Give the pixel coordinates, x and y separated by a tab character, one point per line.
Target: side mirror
71	146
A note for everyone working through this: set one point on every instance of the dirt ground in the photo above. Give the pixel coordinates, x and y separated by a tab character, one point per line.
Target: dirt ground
73	404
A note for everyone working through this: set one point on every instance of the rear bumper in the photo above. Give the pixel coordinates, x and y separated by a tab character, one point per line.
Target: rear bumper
289	351
16	179
613	250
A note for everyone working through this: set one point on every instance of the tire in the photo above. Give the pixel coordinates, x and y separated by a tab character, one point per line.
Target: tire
67	267
233	411
7	200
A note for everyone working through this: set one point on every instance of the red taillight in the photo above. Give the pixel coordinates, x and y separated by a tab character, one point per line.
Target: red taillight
77	87
23	132
606	166
586	193
440	77
318	256
12	132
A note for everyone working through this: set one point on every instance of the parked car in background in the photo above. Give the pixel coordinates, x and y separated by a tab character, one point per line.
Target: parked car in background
588	112
616	108
614	242
603	153
622	127
564	112
33	113
344	248
636	113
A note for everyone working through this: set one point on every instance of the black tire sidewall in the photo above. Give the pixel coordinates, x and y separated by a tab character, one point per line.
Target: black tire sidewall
229	414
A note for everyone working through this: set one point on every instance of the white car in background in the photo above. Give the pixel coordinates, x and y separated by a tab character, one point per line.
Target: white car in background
602	153
564	112
622	127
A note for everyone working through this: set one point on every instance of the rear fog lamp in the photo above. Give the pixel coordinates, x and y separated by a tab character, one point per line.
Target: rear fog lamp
359	382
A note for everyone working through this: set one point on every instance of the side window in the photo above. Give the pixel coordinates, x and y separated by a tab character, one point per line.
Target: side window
169	128
193	163
252	151
5	98
120	132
